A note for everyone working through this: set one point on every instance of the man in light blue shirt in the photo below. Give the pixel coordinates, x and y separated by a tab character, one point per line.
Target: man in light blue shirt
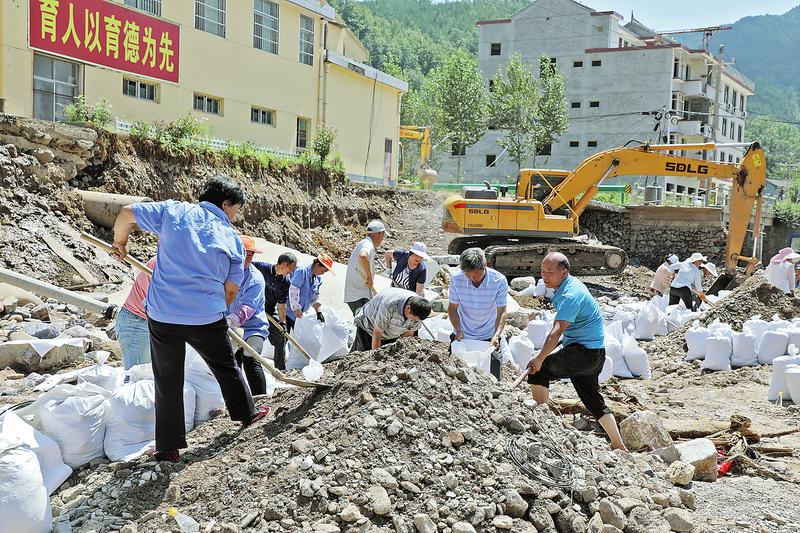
578	326
304	289
198	270
478	298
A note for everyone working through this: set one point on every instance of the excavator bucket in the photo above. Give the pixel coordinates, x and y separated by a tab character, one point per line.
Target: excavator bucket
726	282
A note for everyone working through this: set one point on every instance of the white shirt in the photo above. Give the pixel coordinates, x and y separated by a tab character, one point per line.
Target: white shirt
781	276
687	275
355	282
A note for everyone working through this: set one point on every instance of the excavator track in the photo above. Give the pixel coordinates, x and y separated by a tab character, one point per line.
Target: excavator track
523	257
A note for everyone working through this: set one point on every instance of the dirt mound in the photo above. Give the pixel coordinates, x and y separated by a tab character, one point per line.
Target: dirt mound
407	435
633	281
754	297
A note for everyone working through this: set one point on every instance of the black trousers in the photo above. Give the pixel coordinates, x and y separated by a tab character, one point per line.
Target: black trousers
681	294
278	342
495	365
582	366
358	304
252	368
363	340
168	353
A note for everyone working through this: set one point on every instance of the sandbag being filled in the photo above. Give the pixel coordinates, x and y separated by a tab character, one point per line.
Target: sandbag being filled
521	349
537	332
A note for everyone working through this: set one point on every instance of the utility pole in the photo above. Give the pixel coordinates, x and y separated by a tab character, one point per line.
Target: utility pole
715	116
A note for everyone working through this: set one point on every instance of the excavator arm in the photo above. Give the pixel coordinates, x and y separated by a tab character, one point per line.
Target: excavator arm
748	179
423	134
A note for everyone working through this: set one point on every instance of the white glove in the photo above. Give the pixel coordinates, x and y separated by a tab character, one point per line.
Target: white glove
233	321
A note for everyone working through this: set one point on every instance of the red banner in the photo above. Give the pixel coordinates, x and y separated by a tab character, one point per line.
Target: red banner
111	35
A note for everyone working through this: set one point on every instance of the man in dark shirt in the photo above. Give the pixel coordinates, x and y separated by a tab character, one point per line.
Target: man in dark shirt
277	278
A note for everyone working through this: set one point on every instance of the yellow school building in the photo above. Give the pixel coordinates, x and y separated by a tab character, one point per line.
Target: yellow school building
263	71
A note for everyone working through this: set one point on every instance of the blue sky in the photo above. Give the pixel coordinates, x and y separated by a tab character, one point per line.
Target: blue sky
681	14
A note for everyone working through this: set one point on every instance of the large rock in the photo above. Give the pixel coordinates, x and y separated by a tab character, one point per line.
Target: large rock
463	527
568	521
519	284
643	430
515	504
424	524
643	520
611	514
679	519
24	358
381	504
702	454
680	473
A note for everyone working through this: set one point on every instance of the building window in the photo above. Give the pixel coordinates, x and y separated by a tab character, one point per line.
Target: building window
490	159
594	103
306	40
151	6
139	89
458	149
727	94
55	85
546	149
574	144
207	104
592	144
739	135
724	126
735	98
596	63
619	43
262	116
577	64
730	158
575	105
302	132
495	48
741	103
387	145
209	15
266	17
738	160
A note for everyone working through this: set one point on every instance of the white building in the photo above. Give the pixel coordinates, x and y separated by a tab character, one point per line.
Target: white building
616	76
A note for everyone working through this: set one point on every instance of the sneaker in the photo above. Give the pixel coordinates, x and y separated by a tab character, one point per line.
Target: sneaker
173	456
261	412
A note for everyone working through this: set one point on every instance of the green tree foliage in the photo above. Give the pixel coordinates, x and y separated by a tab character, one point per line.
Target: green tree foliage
553	113
458	101
781	143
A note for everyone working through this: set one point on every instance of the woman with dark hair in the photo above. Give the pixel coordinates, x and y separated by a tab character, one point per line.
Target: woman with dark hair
199	268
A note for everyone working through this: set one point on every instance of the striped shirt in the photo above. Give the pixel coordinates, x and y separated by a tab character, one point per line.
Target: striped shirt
477	306
385	312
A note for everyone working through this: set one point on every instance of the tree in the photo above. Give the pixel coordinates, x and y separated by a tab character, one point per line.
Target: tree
459	103
553	112
514	109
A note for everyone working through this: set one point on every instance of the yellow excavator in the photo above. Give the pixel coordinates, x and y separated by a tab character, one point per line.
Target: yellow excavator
516	232
427	175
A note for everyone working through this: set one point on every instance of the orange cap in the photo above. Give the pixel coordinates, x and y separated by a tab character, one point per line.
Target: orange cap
249	244
326	261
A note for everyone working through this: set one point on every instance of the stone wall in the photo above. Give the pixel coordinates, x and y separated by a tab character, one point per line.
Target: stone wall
648	234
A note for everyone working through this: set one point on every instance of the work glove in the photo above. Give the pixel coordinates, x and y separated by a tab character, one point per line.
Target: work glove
282	327
320	317
233	321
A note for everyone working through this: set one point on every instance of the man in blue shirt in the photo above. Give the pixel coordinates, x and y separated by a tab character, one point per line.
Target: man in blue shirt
198	271
247	312
276	293
477	310
579	327
305	287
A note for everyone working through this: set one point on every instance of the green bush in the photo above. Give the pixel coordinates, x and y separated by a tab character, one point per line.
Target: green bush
174	135
788	211
98	115
323	142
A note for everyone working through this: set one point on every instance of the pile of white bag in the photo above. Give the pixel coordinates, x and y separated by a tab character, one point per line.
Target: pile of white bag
628	358
321	340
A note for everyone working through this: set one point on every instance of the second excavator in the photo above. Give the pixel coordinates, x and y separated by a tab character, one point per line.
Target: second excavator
517	232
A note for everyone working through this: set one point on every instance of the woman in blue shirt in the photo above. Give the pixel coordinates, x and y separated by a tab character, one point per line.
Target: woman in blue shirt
410	272
198	271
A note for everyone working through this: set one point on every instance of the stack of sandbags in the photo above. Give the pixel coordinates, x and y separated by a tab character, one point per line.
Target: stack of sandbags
24	505
718	352
695	338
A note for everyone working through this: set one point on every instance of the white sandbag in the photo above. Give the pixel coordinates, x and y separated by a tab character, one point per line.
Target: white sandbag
794	334
71	415
625	316
636	358
474	353
756	326
307	332
719	328
777	382
439	326
140	372
522	349
541	289
777	323
530	291
744	349
607	371
208	395
334	339
614	351
102	375
537	331
131	419
54	470
792	377
718	353
661	302
695	338
773	344
24	505
647	322
615	331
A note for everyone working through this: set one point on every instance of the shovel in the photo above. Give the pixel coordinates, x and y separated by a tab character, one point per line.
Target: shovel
239	341
288	337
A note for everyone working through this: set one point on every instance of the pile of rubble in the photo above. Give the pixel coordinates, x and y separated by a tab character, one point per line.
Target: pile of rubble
408	439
